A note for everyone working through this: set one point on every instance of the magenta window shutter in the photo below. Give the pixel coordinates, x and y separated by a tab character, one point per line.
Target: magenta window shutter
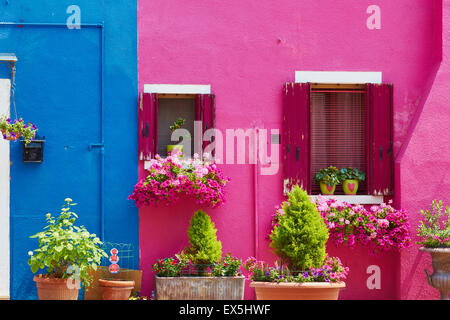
295	135
204	112
154	122
380	138
198	114
141	132
208	116
147	125
198	107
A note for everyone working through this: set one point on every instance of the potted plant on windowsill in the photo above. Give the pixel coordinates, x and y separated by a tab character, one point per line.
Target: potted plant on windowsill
200	272
68	253
350	178
13	130
305	271
175	148
328	179
434	232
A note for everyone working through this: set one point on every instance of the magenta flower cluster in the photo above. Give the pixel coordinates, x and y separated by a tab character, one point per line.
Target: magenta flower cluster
381	227
169	177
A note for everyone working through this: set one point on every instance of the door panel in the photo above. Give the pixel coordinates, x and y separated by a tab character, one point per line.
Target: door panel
58	87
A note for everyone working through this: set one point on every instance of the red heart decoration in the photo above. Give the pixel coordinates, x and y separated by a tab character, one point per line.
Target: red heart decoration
351	186
330	188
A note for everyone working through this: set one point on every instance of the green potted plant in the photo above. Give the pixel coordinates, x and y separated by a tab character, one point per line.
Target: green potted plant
434	232
175	148
328	178
67	253
13	130
199	272
350	178
305	272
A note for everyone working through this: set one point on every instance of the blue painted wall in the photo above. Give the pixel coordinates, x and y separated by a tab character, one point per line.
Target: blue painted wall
59	88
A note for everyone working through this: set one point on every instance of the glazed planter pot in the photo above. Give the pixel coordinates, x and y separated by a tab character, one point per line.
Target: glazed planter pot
350	186
116	289
172	147
440	279
199	288
54	289
326	189
297	291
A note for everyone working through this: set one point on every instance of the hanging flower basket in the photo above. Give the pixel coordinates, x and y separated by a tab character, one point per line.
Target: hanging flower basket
13	130
10	136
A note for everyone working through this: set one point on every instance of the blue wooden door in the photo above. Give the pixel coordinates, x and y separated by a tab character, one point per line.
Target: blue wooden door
58	87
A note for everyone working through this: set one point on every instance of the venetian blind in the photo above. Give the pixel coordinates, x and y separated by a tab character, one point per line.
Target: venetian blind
338	132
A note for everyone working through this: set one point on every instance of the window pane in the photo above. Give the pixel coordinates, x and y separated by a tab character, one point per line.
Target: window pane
169	110
338	128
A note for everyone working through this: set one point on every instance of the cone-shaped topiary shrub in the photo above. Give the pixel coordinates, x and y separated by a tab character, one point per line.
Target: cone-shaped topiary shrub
204	248
300	237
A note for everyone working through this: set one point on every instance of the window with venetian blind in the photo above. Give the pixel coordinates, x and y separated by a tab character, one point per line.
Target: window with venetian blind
338	129
325	126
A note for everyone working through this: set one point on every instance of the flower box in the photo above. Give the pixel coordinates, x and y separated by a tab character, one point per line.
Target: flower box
199	288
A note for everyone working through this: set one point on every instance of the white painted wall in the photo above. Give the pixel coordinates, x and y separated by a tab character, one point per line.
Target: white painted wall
5	86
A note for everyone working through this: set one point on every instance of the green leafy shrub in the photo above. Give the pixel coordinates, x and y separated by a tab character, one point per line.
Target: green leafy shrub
330	176
301	234
204	247
65	249
434	230
350	173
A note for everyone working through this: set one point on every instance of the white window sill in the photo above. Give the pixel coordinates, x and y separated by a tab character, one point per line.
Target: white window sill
357	199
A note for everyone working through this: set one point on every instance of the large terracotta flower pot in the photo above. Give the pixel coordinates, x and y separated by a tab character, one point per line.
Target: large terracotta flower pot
350	186
116	289
297	291
199	288
54	289
326	189
440	279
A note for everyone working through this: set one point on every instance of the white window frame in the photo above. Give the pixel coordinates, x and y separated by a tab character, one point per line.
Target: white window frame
177	88
338	77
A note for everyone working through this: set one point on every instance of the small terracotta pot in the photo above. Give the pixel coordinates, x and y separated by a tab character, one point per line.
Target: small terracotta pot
297	291
54	289
350	186
116	289
326	189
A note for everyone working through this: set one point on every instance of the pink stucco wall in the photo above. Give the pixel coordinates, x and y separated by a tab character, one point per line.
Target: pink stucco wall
246	50
425	166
